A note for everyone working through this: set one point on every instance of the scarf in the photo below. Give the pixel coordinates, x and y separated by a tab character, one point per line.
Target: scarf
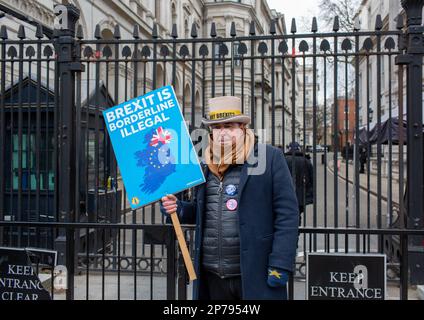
220	157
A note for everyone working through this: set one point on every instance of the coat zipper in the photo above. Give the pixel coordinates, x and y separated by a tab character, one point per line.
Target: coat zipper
220	226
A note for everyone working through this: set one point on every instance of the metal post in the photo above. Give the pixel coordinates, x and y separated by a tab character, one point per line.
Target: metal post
68	15
414	53
413	59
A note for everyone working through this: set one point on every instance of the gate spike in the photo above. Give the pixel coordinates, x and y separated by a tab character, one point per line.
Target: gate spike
293	26
357	25
39	32
193	31
283	24
3	32
135	33
21	32
252	30
233	32
213	30
117	32
399	22
378	23
97	33
155	31
336	24
272	28
80	33
314	25
174	33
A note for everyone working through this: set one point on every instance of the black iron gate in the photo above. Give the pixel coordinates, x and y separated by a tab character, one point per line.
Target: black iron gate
60	187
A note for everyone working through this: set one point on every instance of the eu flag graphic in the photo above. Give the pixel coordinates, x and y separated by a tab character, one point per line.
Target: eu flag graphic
157	160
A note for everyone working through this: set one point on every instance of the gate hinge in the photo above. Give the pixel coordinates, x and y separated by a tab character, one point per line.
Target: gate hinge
403	59
76	66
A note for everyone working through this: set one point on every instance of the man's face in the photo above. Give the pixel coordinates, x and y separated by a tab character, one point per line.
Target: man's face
226	133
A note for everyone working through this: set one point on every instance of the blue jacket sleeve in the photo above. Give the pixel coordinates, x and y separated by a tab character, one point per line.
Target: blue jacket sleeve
186	212
286	216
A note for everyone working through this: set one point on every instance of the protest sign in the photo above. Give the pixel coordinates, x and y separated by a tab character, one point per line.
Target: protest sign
154	151
152	146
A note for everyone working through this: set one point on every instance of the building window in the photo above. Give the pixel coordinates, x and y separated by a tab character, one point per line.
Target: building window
157	10
91	158
236	55
217	45
174	14
369	18
29	164
186	30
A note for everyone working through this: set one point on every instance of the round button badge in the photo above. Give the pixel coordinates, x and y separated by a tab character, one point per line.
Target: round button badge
232	204
231	190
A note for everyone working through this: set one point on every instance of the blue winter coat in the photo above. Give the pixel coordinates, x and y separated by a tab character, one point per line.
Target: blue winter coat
268	218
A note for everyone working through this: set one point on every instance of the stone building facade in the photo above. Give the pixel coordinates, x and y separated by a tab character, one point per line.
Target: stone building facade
106	15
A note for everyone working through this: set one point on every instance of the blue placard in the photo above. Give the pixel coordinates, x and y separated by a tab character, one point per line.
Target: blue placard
153	147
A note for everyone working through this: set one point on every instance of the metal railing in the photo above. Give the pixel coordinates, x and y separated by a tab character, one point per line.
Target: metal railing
59	170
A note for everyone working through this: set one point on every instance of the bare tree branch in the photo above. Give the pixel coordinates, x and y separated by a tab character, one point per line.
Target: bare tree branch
344	9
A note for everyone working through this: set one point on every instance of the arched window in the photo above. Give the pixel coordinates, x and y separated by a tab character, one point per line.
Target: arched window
157	10
107	34
186	29
160	77
177	89
186	103
174	13
199	114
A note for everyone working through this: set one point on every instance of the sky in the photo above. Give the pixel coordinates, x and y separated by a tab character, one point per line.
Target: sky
295	9
303	11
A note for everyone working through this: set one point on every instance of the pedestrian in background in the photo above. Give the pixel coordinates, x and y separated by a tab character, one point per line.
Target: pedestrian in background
363	158
300	162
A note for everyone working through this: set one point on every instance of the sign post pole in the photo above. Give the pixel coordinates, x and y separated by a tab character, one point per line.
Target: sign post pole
183	246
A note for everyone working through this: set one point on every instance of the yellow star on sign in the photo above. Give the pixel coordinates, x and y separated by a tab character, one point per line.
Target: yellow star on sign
135	201
275	273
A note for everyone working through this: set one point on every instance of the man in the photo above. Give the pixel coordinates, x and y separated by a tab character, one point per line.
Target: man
246	225
301	164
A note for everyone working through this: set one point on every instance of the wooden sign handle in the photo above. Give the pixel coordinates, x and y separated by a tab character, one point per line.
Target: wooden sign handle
183	247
